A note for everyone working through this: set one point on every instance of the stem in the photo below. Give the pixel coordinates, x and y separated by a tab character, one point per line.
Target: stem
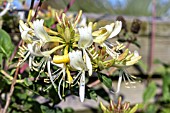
32	4
152	40
14	53
69	6
36	12
11	90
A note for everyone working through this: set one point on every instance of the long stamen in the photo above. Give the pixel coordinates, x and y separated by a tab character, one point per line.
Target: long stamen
59	94
78	75
49	72
56	71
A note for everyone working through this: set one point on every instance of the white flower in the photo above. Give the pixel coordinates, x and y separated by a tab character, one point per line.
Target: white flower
108	32
26	32
40	33
129	60
84	42
35	40
76	62
117	28
134	59
86	38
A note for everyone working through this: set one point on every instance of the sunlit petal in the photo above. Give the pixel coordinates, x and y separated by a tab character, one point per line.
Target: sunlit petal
103	33
26	36
76	60
88	63
86	38
39	30
116	29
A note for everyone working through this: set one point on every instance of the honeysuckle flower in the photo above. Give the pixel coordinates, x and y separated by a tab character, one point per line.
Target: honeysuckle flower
36	39
77	63
84	42
123	74
107	32
40	33
26	32
134	59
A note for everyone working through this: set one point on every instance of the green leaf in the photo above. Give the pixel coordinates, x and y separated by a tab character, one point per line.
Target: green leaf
107	81
68	110
27	82
90	93
103	94
134	109
152	108
6	45
1	63
149	92
166	88
49	22
46	109
165	110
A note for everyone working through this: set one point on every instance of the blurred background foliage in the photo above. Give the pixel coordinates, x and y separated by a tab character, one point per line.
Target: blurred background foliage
116	7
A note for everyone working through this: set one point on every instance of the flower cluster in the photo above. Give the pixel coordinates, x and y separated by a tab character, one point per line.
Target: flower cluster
119	107
75	52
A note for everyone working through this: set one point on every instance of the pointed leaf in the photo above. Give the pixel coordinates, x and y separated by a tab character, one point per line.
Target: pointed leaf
149	92
6	45
107	81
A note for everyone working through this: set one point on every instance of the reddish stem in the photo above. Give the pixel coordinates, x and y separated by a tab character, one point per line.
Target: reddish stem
69	6
152	40
36	12
11	91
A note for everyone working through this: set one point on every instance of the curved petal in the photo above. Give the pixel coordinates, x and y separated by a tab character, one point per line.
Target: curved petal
76	60
88	62
117	29
82	87
39	30
103	33
86	38
119	82
26	36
